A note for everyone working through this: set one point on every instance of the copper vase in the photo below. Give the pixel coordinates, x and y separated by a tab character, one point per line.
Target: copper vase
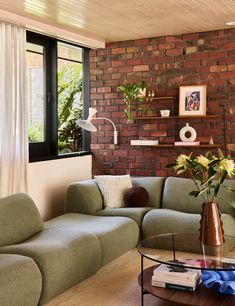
211	226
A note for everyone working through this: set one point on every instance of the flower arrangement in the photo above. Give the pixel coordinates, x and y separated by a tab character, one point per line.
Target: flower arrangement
208	173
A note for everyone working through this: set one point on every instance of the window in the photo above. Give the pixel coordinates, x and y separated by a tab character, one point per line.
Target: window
57	84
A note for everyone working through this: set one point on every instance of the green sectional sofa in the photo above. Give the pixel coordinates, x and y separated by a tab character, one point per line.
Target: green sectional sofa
170	207
41	260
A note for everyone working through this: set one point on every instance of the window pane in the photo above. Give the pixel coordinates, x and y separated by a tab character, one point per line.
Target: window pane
35	87
69	52
70	100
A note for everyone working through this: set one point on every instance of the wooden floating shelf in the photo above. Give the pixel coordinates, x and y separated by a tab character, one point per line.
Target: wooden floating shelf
171	145
160	98
177	117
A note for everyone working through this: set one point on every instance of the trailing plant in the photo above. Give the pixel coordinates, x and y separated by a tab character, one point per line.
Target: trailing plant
133	93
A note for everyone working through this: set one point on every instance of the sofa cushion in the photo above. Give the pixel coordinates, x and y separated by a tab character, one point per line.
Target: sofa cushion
134	213
65	256
162	221
136	196
113	188
154	186
19	219
83	197
117	235
176	196
20	281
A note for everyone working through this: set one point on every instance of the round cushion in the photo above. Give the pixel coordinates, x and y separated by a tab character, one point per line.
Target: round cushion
136	196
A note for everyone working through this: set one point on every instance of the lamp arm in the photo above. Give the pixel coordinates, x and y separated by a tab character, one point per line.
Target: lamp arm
115	135
99	118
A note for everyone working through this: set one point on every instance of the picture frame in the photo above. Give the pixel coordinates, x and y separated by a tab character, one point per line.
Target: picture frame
192	100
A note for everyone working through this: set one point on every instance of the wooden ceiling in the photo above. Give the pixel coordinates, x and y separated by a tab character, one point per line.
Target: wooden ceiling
116	20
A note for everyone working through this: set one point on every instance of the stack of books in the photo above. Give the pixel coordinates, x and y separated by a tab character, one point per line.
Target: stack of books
176	277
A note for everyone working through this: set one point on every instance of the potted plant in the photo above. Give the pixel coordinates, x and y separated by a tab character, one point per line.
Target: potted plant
136	93
208	174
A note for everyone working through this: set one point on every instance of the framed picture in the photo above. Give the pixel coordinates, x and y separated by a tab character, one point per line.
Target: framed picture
192	101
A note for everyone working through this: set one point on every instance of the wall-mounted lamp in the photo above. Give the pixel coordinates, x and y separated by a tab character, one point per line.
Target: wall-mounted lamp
87	125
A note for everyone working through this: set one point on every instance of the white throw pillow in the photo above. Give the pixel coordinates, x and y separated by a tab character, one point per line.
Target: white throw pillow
113	188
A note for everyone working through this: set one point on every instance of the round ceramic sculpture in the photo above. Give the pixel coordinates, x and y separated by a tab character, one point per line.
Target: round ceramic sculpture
221	281
187	129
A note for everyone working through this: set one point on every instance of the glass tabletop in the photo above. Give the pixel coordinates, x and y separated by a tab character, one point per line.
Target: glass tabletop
185	249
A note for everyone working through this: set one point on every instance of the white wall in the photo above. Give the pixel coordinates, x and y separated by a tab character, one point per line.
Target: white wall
48	181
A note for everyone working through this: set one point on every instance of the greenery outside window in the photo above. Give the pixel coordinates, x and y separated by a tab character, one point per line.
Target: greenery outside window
58	95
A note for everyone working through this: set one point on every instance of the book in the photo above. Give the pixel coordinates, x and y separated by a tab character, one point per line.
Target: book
175	281
175	286
176	272
187	143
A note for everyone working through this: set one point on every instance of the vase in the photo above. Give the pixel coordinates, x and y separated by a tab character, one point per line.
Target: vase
211	226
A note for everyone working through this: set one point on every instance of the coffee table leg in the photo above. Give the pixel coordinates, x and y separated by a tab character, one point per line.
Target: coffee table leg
142	280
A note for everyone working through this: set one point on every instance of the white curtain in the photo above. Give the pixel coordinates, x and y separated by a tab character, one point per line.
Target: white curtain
13	110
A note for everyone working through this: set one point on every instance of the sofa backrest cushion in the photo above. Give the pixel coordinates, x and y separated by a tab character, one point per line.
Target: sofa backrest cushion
176	196
154	187
19	219
83	197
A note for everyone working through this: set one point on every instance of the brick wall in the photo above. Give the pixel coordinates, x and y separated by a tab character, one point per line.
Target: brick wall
164	63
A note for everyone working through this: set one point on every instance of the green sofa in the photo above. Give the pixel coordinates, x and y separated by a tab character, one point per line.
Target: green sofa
41	260
50	257
170	207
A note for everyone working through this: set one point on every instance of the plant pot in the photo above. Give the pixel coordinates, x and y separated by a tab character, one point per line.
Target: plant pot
211	226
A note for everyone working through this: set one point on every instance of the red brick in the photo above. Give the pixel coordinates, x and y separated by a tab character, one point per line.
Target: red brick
104	89
141	68
118	63
141	42
231	67
191	63
118	50
217	54
218	68
228	46
136	61
174	52
125	69
166	46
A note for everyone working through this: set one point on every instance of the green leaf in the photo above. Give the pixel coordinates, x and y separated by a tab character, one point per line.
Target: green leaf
220	153
233	204
194	193
171	165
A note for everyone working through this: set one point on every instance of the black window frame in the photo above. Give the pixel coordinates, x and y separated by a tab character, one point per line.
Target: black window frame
47	150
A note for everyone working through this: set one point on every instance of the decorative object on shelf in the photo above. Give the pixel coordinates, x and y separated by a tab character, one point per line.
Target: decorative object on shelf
187	143
187	129
211	141
192	100
87	125
144	142
221	281
150	95
133	93
208	173
165	112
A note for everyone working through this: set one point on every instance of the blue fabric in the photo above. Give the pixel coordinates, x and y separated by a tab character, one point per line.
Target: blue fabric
221	281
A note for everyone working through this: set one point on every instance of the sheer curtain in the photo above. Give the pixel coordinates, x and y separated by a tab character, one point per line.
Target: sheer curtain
13	110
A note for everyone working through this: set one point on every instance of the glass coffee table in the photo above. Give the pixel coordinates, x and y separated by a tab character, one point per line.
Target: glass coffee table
186	250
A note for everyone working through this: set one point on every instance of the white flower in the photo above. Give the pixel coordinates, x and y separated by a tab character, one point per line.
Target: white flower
181	161
202	160
227	165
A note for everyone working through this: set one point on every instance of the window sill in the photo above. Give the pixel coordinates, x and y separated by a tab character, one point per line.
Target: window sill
68	155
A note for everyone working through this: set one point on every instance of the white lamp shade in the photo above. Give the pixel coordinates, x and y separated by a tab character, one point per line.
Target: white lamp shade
86	125
92	112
